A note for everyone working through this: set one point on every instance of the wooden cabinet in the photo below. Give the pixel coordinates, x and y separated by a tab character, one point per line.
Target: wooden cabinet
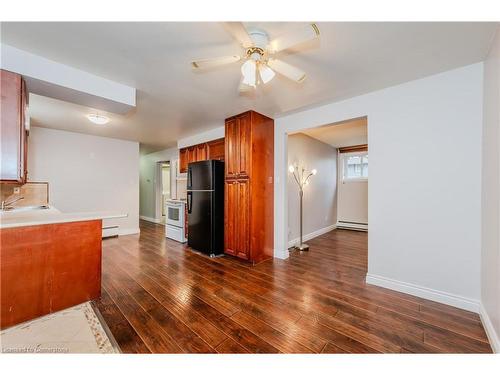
236	218
13	132
203	151
47	268
183	160
216	149
238	147
249	189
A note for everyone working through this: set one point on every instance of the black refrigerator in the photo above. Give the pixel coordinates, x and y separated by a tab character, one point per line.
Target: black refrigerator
205	206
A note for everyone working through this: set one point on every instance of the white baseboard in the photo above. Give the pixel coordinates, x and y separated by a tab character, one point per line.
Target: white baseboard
424	292
310	236
151	219
490	330
127	231
356	226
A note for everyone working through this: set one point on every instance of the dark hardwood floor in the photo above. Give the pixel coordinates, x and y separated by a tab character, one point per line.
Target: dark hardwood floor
158	296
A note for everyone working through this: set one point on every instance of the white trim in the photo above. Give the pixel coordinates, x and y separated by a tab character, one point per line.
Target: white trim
423	292
358	226
490	330
151	219
127	231
312	235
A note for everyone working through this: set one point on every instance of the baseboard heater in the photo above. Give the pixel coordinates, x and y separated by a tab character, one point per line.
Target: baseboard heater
352	225
110	231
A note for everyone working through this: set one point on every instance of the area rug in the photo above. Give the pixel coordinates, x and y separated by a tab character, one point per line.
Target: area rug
74	330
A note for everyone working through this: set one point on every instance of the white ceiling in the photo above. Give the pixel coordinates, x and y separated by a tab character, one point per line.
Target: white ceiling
173	101
348	133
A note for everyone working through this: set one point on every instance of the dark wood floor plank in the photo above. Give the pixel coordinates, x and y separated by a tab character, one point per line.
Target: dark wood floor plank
333	349
229	346
286	344
160	296
342	341
146	327
125	335
184	337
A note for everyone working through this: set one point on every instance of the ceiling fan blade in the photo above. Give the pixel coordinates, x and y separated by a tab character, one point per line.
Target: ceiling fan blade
209	63
294	38
238	31
287	70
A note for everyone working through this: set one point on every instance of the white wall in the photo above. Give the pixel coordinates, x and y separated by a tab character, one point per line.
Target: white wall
320	203
352	198
87	173
424	215
490	265
209	135
149	180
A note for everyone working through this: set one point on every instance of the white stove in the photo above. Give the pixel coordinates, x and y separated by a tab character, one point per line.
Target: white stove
174	222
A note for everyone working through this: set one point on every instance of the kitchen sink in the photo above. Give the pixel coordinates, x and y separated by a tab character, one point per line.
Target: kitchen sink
27	208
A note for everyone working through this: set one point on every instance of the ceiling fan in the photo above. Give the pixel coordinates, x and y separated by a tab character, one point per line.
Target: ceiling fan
260	65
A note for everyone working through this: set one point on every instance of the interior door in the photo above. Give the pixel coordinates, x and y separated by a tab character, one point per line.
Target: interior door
231	217
245	144
232	157
243	219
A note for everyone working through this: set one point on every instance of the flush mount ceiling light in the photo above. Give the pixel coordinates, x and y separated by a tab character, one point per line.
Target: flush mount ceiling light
259	67
98	119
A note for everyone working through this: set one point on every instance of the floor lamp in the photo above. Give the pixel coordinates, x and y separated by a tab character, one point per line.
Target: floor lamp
301	177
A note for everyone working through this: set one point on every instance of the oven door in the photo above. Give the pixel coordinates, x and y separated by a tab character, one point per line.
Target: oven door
175	214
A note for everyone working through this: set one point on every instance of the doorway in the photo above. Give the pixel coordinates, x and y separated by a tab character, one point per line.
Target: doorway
163	188
328	176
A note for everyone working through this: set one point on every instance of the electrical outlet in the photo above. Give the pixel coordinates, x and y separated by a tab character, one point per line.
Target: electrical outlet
17	190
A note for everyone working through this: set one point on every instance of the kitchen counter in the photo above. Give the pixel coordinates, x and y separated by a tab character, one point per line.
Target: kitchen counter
24	218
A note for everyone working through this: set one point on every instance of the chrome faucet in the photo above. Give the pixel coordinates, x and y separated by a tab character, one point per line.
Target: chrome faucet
6	203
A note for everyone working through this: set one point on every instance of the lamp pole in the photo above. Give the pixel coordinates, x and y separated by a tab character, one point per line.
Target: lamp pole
302	179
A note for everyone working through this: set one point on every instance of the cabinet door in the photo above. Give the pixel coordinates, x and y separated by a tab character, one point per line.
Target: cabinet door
231	217
232	157
216	149
245	145
243	219
191	153
12	129
201	152
183	160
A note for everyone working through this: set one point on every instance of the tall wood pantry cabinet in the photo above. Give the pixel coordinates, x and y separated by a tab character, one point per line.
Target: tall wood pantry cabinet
249	186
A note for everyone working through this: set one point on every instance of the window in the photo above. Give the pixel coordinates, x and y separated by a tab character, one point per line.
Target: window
355	166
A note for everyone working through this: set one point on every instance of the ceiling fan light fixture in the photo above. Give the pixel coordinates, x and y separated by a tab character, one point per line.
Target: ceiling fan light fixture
249	72
266	73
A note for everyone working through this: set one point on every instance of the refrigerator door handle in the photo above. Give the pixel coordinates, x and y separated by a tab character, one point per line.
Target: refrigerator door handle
189	201
190	178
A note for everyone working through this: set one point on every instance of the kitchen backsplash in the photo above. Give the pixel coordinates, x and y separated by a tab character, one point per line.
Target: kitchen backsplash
33	193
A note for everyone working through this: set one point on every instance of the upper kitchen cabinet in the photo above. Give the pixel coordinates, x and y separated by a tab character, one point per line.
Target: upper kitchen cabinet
213	150
183	160
14	136
216	149
239	144
201	152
